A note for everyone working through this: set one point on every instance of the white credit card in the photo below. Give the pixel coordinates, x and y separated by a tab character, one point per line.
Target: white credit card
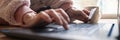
92	13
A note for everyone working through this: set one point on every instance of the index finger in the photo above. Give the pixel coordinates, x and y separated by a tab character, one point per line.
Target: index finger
65	23
53	14
64	14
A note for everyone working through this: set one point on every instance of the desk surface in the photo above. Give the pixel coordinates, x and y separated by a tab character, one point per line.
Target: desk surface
3	37
104	31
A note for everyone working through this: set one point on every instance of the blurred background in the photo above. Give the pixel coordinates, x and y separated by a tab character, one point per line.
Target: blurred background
108	8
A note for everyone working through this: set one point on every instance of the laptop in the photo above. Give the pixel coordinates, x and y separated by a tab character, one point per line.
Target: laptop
82	31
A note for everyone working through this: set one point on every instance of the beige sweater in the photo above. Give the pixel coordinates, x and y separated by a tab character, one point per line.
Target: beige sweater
9	7
36	4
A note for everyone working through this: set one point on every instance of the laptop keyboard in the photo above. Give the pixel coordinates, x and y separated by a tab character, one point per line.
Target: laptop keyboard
57	29
73	29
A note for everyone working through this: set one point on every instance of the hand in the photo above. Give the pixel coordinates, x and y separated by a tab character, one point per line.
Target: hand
53	15
86	12
78	14
58	16
28	18
67	5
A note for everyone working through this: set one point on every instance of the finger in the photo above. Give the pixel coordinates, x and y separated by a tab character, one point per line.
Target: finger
45	16
64	14
81	16
84	16
53	14
65	23
86	11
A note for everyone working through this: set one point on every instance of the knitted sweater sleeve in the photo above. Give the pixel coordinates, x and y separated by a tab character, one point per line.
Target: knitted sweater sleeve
8	9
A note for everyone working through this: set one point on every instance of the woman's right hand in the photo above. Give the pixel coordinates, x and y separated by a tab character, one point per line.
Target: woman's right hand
58	16
26	17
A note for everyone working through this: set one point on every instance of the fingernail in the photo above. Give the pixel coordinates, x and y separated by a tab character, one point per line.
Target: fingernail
66	27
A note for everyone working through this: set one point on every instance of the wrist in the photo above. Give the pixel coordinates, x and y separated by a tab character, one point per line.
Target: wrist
24	13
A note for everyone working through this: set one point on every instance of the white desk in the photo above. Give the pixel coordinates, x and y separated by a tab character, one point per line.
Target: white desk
103	32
